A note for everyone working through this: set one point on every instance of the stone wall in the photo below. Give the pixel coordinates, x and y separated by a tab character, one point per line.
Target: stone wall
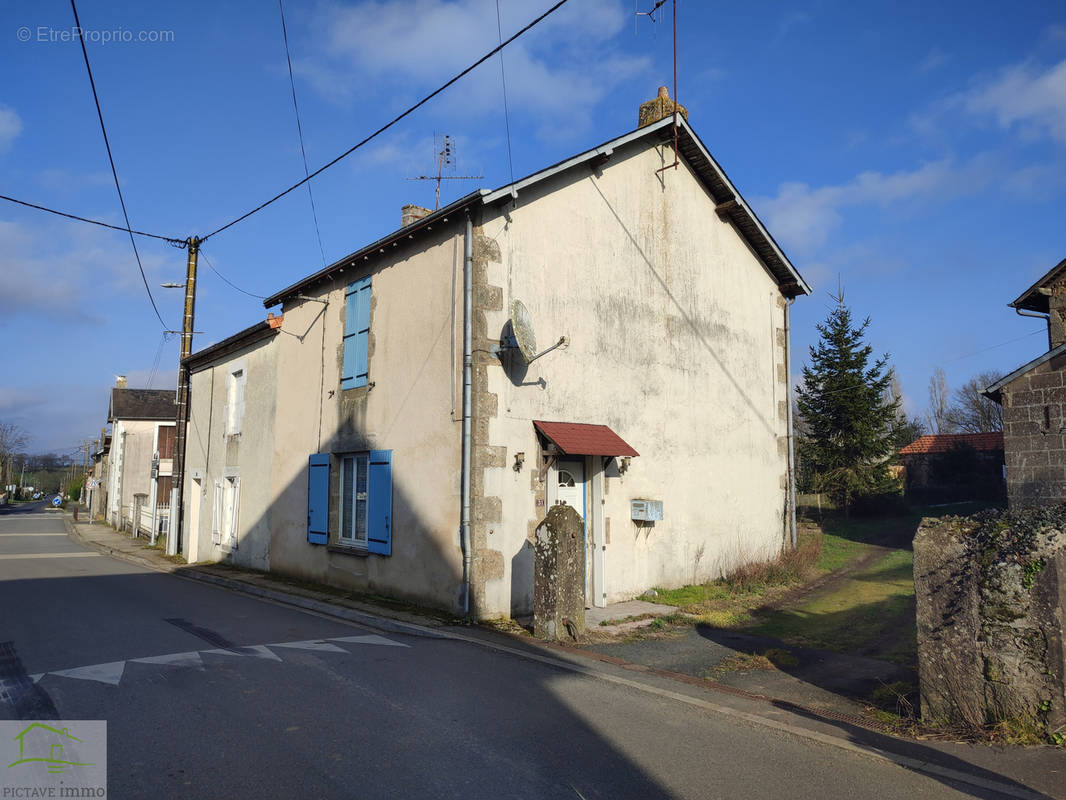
991	604
1034	435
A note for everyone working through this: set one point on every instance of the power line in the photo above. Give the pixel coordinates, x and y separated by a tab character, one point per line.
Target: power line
114	172
158	357
227	280
388	125
503	80
300	130
91	221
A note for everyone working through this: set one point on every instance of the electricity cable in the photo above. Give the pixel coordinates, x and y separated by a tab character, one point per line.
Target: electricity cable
110	158
503	80
388	125
227	280
300	130
27	204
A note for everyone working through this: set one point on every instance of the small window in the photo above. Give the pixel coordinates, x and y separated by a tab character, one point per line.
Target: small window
165	443
353	499
365	520
234	401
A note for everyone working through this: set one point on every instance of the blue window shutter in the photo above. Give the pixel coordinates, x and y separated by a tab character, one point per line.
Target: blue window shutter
356	334
379	503
318	498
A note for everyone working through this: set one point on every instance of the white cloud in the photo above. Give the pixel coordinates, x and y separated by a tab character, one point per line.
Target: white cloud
10	126
933	59
803	217
61	273
1024	97
558	71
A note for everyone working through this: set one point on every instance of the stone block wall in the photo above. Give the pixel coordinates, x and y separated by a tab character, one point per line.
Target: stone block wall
991	605
1034	435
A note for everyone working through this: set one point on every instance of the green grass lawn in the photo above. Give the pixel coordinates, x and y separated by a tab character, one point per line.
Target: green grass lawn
870	612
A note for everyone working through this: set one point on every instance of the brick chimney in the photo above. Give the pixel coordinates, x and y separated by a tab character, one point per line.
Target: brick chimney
661	106
120	381
410	213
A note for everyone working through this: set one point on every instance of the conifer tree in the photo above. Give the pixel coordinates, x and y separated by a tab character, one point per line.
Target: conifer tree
849	415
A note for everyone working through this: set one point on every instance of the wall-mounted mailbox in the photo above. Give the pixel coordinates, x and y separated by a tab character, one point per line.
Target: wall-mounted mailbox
646	510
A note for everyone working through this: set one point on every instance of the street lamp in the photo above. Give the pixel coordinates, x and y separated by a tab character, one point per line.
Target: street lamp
173	285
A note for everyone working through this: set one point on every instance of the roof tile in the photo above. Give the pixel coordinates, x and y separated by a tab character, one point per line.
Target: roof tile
943	442
581	439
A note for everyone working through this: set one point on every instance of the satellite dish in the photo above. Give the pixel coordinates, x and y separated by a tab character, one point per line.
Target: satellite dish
522	330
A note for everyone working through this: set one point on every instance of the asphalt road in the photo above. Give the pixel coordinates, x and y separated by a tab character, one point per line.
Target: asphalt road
210	693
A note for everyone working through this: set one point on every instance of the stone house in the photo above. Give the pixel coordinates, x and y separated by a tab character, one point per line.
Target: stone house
949	467
140	458
1034	402
604	333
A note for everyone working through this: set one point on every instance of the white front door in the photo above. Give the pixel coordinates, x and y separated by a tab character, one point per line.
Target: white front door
571	488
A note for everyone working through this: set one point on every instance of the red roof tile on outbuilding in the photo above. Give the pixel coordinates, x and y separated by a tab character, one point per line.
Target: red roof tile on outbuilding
942	442
581	439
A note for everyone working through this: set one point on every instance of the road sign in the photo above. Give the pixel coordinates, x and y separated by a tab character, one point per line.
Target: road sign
57	501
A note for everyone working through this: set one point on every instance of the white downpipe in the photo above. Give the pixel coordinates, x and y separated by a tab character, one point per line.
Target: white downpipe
791	432
468	370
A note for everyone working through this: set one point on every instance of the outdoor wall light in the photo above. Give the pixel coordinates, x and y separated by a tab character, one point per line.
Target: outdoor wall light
519	460
623	464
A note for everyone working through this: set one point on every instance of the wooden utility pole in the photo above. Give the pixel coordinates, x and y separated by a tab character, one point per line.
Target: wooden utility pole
177	493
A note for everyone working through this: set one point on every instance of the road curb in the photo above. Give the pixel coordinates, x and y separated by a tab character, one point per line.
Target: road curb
305	603
391	625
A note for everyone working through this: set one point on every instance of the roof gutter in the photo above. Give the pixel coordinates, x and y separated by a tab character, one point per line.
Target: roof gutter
1037	315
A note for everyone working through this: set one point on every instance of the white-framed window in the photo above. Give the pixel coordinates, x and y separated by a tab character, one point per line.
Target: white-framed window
226	511
234	415
353	500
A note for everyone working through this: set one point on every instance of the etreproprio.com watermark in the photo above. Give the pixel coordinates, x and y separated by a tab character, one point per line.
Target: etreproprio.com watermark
48	34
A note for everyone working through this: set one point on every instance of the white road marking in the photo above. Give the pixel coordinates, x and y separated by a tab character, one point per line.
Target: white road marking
74	554
370	639
32	534
255	651
173	660
102	673
312	644
113	671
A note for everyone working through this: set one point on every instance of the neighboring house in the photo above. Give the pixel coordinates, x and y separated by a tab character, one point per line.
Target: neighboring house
231	437
948	467
667	303
141	457
96	499
1034	402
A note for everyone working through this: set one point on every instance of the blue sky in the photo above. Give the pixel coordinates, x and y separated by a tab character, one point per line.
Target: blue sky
915	150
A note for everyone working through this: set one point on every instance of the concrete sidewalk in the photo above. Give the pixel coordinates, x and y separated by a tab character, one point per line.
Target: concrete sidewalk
796	703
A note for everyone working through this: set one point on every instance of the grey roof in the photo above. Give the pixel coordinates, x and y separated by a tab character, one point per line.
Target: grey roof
142	404
994	390
230	345
1032	299
731	206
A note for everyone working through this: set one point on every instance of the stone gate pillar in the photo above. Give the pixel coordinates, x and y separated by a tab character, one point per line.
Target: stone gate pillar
559	575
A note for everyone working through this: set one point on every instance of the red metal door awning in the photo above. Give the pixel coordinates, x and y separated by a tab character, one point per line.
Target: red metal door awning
582	439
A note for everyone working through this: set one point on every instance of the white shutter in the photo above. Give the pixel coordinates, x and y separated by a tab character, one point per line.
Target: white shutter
216	516
238	412
235	483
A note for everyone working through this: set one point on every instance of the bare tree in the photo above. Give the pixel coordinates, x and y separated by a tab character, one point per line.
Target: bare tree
971	411
938	416
12	440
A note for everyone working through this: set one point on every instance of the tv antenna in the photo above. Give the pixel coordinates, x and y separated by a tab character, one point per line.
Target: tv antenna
522	333
649	14
444	150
